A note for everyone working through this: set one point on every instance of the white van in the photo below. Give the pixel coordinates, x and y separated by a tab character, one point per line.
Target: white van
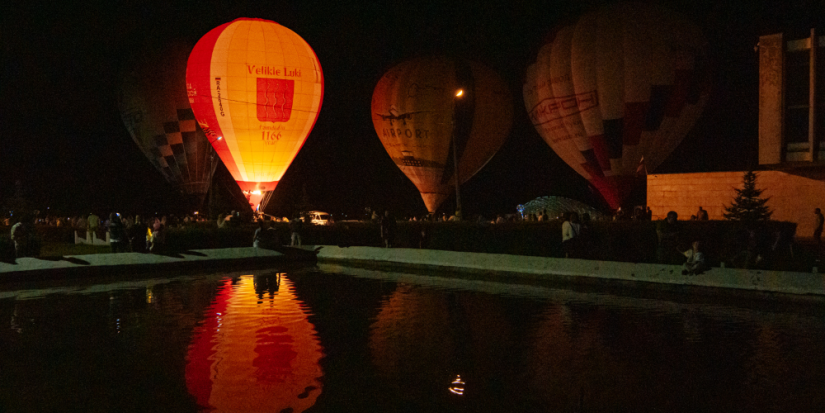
319	218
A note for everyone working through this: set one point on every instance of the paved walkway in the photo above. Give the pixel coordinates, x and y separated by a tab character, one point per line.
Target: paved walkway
77	266
501	265
497	266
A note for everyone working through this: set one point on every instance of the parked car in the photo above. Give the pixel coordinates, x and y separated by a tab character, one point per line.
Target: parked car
319	218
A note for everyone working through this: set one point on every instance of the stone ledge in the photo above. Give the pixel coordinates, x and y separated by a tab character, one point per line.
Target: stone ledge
561	268
94	265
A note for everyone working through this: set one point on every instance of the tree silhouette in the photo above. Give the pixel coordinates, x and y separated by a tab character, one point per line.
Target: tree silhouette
748	206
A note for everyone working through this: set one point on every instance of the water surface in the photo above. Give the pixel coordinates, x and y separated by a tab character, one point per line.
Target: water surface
344	339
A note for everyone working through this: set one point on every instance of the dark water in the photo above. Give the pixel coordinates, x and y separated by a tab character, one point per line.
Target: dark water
338	339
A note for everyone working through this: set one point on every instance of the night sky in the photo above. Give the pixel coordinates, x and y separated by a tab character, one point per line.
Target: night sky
63	138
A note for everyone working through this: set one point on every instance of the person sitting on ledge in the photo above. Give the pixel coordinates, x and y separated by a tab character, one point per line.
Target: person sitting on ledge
695	263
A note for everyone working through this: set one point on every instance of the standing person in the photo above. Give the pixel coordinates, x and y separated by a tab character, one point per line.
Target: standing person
93	223
80	223
260	234
570	230
295	225
820	220
423	236
702	215
387	229
117	233
20	236
137	235
585	242
668	232
158	240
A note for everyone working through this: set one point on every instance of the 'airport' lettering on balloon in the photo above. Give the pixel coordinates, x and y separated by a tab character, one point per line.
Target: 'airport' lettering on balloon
416	114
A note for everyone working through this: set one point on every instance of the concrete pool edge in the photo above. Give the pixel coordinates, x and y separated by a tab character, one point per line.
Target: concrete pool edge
501	266
81	266
784	282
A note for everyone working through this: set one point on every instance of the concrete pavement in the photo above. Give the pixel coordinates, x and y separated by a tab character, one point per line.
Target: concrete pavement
502	266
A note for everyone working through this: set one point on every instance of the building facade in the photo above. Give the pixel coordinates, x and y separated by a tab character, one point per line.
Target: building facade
791	143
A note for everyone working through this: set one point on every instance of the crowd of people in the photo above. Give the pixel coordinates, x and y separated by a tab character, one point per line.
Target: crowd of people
755	248
126	234
752	248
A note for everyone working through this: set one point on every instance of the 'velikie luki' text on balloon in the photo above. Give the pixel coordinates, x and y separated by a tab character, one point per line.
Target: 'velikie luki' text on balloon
256	88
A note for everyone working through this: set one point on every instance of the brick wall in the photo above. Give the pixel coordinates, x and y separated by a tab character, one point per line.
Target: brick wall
794	195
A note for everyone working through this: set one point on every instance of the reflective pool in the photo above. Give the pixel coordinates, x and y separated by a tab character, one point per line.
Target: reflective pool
338	339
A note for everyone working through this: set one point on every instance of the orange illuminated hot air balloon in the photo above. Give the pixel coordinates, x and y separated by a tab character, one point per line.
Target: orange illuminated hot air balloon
420	105
154	107
256	88
615	93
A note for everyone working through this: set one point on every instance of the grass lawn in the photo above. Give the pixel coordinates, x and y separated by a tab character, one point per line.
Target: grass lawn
60	249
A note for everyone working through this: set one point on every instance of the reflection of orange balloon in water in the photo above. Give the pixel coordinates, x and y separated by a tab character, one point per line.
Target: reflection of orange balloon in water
616	92
416	112
256	89
255	354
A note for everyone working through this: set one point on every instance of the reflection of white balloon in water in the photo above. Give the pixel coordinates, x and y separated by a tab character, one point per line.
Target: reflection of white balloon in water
457	386
255	354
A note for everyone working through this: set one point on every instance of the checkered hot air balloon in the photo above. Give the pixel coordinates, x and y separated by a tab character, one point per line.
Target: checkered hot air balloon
155	109
624	83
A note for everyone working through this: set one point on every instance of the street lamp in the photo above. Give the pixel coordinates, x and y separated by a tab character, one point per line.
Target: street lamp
458	94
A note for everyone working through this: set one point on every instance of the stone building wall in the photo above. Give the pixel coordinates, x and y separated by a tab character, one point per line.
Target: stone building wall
794	194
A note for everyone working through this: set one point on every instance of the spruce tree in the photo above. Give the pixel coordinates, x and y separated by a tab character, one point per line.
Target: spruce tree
748	206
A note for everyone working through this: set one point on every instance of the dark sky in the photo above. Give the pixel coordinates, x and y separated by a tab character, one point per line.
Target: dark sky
63	138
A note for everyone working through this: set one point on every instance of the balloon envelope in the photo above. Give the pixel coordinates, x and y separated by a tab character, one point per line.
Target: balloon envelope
615	93
256	89
155	109
416	113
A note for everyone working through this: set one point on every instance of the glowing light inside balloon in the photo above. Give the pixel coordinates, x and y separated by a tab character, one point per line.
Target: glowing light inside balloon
256	89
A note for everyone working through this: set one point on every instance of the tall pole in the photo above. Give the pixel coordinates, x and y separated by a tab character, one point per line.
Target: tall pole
457	181
813	141
458	94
